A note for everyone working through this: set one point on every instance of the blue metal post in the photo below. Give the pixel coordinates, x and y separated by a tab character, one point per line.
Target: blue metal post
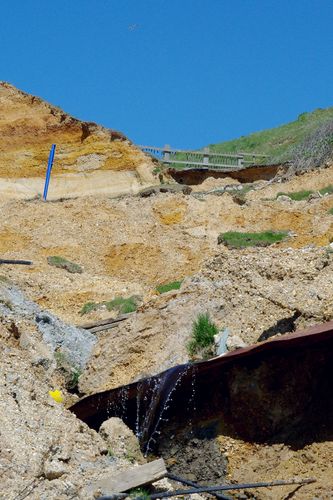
48	171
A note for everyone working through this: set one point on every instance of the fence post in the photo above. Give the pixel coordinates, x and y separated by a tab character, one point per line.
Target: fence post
166	153
240	162
206	156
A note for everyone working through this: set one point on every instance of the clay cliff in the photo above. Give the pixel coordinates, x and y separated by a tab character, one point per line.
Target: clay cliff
89	158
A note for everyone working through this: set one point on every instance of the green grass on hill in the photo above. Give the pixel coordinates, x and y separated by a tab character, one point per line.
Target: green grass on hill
278	143
303	195
174	285
235	239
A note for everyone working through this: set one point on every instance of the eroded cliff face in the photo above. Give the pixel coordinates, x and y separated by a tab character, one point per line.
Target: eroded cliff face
89	158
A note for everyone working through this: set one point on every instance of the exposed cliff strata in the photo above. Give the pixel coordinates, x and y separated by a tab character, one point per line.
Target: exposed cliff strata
89	158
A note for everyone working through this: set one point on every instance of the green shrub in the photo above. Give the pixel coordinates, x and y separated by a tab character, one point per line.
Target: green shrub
235	239
203	331
62	263
174	285
330	211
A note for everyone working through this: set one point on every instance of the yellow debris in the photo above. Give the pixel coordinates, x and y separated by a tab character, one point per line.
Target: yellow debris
56	395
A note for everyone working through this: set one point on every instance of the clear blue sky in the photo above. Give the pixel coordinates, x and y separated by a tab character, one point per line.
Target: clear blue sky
183	72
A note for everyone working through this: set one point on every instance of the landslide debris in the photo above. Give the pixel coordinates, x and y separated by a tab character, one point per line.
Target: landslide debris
130	246
248	292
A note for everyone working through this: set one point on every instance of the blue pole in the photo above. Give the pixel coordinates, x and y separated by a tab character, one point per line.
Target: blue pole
48	171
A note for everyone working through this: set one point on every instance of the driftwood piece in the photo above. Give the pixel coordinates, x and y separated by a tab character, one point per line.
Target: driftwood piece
128	479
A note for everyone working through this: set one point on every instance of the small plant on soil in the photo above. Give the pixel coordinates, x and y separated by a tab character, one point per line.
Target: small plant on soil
297	196
174	285
330	211
71	373
303	195
123	305
202	342
88	307
326	190
140	493
235	239
62	263
120	304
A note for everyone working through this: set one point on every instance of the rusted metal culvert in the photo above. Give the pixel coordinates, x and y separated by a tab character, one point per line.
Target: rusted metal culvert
280	390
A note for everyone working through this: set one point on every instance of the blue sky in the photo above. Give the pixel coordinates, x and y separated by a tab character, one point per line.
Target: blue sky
183	72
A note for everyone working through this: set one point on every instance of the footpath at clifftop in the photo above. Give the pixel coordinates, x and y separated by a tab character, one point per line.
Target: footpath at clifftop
98	246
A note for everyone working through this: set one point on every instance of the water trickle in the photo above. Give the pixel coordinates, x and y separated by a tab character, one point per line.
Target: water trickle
191	406
164	407
119	407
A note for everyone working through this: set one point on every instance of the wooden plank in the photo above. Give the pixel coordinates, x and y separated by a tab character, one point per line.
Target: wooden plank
106	321
102	328
133	477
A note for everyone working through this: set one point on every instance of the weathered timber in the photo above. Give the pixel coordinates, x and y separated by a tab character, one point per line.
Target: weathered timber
21	262
133	477
103	322
102	328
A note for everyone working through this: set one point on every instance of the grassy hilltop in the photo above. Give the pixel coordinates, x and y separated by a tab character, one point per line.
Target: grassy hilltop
288	141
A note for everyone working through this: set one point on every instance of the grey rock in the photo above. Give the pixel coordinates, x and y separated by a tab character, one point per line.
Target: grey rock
54	469
284	199
221	341
235	342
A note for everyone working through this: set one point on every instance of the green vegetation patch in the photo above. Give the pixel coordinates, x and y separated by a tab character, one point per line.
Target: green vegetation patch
296	196
303	195
234	239
140	493
120	304
330	211
62	263
326	190
202	341
174	285
71	373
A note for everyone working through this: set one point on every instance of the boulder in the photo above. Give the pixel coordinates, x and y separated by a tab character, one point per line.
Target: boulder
121	441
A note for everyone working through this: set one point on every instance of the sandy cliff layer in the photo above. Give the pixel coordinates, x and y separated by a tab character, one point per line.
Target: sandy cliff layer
89	158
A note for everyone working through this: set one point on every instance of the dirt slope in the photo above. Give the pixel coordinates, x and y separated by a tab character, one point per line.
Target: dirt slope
131	245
